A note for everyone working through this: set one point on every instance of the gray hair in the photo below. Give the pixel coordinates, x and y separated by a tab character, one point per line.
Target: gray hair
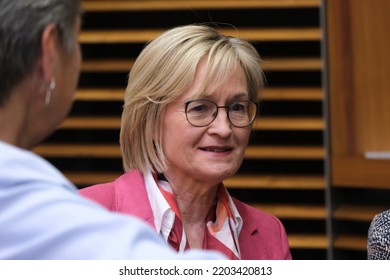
21	25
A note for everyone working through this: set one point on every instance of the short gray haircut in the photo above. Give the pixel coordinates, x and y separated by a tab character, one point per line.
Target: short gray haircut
21	25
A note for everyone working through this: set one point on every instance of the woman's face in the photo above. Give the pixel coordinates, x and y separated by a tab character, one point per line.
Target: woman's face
207	154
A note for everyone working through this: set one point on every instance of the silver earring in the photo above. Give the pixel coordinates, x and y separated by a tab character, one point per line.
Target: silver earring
49	91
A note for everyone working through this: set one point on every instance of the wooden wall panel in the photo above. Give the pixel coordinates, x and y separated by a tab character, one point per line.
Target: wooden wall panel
359	71
358	45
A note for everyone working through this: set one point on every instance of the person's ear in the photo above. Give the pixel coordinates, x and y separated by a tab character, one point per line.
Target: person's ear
49	52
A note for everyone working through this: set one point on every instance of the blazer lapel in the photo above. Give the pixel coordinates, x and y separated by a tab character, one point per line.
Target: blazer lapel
131	196
250	238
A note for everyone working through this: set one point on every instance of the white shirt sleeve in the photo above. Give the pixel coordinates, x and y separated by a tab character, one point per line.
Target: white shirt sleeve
43	217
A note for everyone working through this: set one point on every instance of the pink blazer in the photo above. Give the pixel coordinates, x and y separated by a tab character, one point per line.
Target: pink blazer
262	236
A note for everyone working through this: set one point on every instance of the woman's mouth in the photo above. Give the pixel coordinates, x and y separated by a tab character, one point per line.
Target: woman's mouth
217	149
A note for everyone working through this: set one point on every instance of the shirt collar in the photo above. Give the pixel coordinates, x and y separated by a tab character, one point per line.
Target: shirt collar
164	216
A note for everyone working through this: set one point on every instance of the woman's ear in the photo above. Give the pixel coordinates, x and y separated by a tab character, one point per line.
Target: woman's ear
49	52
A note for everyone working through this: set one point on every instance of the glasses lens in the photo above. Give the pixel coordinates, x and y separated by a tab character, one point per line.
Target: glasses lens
242	113
200	112
203	112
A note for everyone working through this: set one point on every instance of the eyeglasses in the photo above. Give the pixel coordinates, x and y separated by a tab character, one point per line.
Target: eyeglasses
202	112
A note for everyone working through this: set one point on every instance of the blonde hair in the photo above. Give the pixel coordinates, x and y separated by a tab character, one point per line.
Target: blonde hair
164	70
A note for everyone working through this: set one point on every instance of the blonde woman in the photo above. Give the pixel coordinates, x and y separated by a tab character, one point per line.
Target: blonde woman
189	105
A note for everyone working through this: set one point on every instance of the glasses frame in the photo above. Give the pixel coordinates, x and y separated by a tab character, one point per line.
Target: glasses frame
226	107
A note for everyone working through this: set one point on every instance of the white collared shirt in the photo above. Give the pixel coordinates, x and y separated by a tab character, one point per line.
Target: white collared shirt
164	216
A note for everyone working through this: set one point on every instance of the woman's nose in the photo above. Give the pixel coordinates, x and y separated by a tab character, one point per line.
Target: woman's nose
221	124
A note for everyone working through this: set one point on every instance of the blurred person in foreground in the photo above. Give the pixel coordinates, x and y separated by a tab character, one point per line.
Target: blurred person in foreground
189	106
378	242
41	214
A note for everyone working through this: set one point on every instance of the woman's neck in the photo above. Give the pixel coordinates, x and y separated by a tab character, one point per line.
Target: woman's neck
194	199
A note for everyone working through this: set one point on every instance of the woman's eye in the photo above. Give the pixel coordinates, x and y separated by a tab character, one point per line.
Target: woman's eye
238	107
198	108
